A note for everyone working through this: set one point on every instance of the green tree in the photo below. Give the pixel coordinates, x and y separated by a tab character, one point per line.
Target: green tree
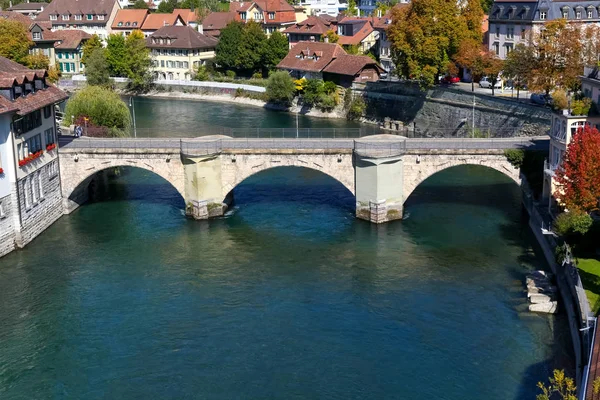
352	10
140	5
166	6
36	61
102	106
230	42
560	387
14	43
425	36
312	90
139	62
93	43
116	55
253	47
202	7
517	65
276	49
281	88
472	14
96	69
486	5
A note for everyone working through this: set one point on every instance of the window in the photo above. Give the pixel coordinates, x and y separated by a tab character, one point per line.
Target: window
543	15
186	64
34	188
53	17
497	31
2	215
34	143
256	15
134	24
243	15
523	34
49	134
89	17
26	190
100	17
37	35
565	14
47	111
578	14
78	17
40	185
496	48
162	63
271	15
52	169
65	17
28	122
510	32
121	24
509	48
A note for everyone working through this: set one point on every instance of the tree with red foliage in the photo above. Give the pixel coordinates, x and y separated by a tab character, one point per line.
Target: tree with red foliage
579	174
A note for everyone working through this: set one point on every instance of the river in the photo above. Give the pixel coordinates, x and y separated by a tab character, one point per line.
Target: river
287	297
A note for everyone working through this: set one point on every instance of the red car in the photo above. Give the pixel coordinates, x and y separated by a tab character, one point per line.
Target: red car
450	79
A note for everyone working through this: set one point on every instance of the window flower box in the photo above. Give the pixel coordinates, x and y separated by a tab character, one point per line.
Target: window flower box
30	158
1	171
51	146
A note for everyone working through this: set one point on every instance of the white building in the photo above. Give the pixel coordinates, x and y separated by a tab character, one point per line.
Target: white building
30	195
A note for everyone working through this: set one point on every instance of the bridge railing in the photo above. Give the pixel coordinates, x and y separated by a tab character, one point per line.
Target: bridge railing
465	143
124	143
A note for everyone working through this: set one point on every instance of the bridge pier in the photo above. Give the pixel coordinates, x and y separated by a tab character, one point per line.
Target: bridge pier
379	174
203	187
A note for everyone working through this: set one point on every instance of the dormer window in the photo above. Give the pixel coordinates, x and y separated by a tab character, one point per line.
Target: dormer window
39	84
120	24
18	91
243	15
89	17
134	24
36	35
271	15
28	88
100	17
78	17
543	15
578	14
590	12
65	17
53	17
126	23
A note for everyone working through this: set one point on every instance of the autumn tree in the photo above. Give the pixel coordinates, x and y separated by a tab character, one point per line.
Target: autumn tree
92	43
558	50
560	387
590	35
332	36
138	62
469	57
14	43
425	36
36	61
492	66
517	65
472	13
578	176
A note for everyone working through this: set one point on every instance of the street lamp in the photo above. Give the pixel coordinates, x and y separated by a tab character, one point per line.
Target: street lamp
132	105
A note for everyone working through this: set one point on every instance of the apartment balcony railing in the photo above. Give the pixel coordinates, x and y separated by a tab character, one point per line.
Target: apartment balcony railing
549	168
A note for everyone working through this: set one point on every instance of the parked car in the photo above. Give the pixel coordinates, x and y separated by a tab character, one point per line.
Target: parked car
450	79
541	99
487	84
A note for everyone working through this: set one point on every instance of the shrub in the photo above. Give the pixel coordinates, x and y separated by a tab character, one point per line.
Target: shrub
230	74
312	90
581	107
347	98
326	102
572	223
257	75
357	108
329	87
202	74
103	108
280	88
515	157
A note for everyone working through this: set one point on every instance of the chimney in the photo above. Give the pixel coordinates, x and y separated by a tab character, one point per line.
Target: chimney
10	4
326	39
201	29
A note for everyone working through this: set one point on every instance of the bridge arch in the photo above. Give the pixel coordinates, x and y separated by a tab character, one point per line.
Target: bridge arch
417	170
77	173
337	166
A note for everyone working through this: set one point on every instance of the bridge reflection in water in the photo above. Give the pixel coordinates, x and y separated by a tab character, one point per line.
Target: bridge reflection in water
381	171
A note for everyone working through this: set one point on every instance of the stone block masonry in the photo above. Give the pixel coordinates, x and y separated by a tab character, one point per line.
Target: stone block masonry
7	228
39	202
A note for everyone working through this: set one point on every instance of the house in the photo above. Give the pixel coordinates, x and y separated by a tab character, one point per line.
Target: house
215	21
329	61
69	50
368	7
178	51
154	22
189	17
127	21
384	46
28	9
311	29
564	125
30	194
92	16
358	33
329	7
273	15
38	32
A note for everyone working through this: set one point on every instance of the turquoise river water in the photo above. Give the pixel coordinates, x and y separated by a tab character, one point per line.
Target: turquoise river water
287	297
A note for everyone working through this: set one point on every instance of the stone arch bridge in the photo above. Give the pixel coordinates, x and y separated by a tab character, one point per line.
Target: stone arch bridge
381	171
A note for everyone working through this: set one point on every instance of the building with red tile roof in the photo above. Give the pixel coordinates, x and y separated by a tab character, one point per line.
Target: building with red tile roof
357	32
329	61
69	50
215	21
28	9
128	20
311	29
30	192
273	15
154	22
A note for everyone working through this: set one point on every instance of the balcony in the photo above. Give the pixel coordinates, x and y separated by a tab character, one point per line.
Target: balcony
549	168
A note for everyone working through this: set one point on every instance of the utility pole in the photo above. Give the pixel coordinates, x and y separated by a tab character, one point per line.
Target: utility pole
132	104
296	123
473	126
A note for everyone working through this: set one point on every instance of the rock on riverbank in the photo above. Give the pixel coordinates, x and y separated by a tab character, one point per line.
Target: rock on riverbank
541	293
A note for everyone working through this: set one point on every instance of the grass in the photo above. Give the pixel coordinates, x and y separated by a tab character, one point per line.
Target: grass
589	270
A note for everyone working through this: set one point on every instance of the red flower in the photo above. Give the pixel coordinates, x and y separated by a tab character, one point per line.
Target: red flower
51	146
1	171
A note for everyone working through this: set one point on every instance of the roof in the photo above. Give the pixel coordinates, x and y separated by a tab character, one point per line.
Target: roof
129	18
11	72
15	16
185	37
28	23
70	38
217	20
300	57
77	7
27	6
359	36
156	21
186	15
347	64
311	25
265	5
